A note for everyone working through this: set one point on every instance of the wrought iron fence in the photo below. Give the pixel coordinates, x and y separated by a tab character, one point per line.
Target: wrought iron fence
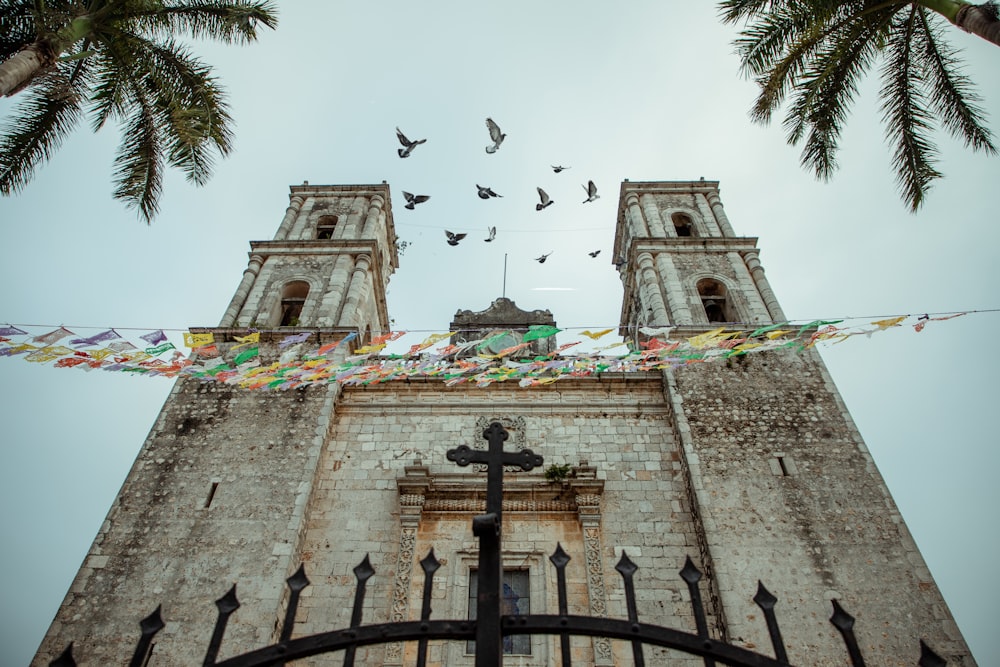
490	626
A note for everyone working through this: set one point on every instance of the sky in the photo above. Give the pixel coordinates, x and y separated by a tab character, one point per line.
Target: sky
640	91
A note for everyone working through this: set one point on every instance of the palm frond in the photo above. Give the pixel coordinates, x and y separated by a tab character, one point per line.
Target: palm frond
194	116
827	90
950	92
47	112
905	113
226	21
139	162
787	42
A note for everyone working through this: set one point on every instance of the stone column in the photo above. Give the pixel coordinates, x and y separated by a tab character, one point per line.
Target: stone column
752	260
755	304
707	215
680	310
372	219
243	291
639	229
720	214
291	213
356	291
651	284
657	227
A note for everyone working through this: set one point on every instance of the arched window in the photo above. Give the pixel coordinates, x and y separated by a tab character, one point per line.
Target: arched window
293	297
683	224
325	225
713	299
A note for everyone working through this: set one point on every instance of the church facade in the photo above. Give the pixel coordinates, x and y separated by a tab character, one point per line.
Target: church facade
752	467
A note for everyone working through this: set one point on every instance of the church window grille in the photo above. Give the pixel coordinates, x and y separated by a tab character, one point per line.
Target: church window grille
515	601
293	298
713	299
683	225
325	226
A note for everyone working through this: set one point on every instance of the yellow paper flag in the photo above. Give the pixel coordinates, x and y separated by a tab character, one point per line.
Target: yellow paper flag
594	335
197	340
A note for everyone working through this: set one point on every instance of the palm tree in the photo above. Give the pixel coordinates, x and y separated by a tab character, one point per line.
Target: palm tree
118	59
818	50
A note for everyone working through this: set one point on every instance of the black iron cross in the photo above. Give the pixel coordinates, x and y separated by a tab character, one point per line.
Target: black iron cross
487	527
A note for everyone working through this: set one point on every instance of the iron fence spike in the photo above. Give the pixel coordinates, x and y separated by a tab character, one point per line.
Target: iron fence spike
840	618
148	626
430	563
844	622
152	623
65	658
228	603
299	580
364	570
764	599
929	658
626	566
690	573
559	558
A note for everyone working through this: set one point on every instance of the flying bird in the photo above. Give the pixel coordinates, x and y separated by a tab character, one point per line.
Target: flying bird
558	169
619	263
453	239
492	231
485	192
408	145
595	253
413	200
545	200
591	190
541	260
496	136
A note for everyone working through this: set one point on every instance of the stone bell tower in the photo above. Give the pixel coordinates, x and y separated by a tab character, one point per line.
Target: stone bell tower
327	266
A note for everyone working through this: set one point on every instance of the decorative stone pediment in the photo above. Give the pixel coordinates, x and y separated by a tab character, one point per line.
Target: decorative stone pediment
503	315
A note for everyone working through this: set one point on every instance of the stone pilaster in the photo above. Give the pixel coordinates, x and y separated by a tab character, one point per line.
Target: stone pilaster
291	213
356	290
720	214
588	491
243	291
639	228
752	260
372	219
651	285
680	311
758	312
657	228
412	495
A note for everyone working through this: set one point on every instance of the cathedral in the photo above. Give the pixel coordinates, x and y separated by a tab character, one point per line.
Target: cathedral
752	467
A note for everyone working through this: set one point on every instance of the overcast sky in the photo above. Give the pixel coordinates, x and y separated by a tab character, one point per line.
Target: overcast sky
639	90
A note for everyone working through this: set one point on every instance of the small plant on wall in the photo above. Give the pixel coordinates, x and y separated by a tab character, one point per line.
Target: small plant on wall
556	472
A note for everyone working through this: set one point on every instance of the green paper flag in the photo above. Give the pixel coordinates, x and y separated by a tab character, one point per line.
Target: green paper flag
246	355
540	331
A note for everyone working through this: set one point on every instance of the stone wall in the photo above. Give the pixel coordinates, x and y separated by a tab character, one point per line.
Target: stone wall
254	453
790	496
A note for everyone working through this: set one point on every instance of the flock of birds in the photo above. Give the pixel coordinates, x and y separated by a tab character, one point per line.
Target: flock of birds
486	192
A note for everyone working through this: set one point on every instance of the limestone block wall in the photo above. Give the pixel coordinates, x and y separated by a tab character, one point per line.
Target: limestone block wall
621	427
216	496
789	495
